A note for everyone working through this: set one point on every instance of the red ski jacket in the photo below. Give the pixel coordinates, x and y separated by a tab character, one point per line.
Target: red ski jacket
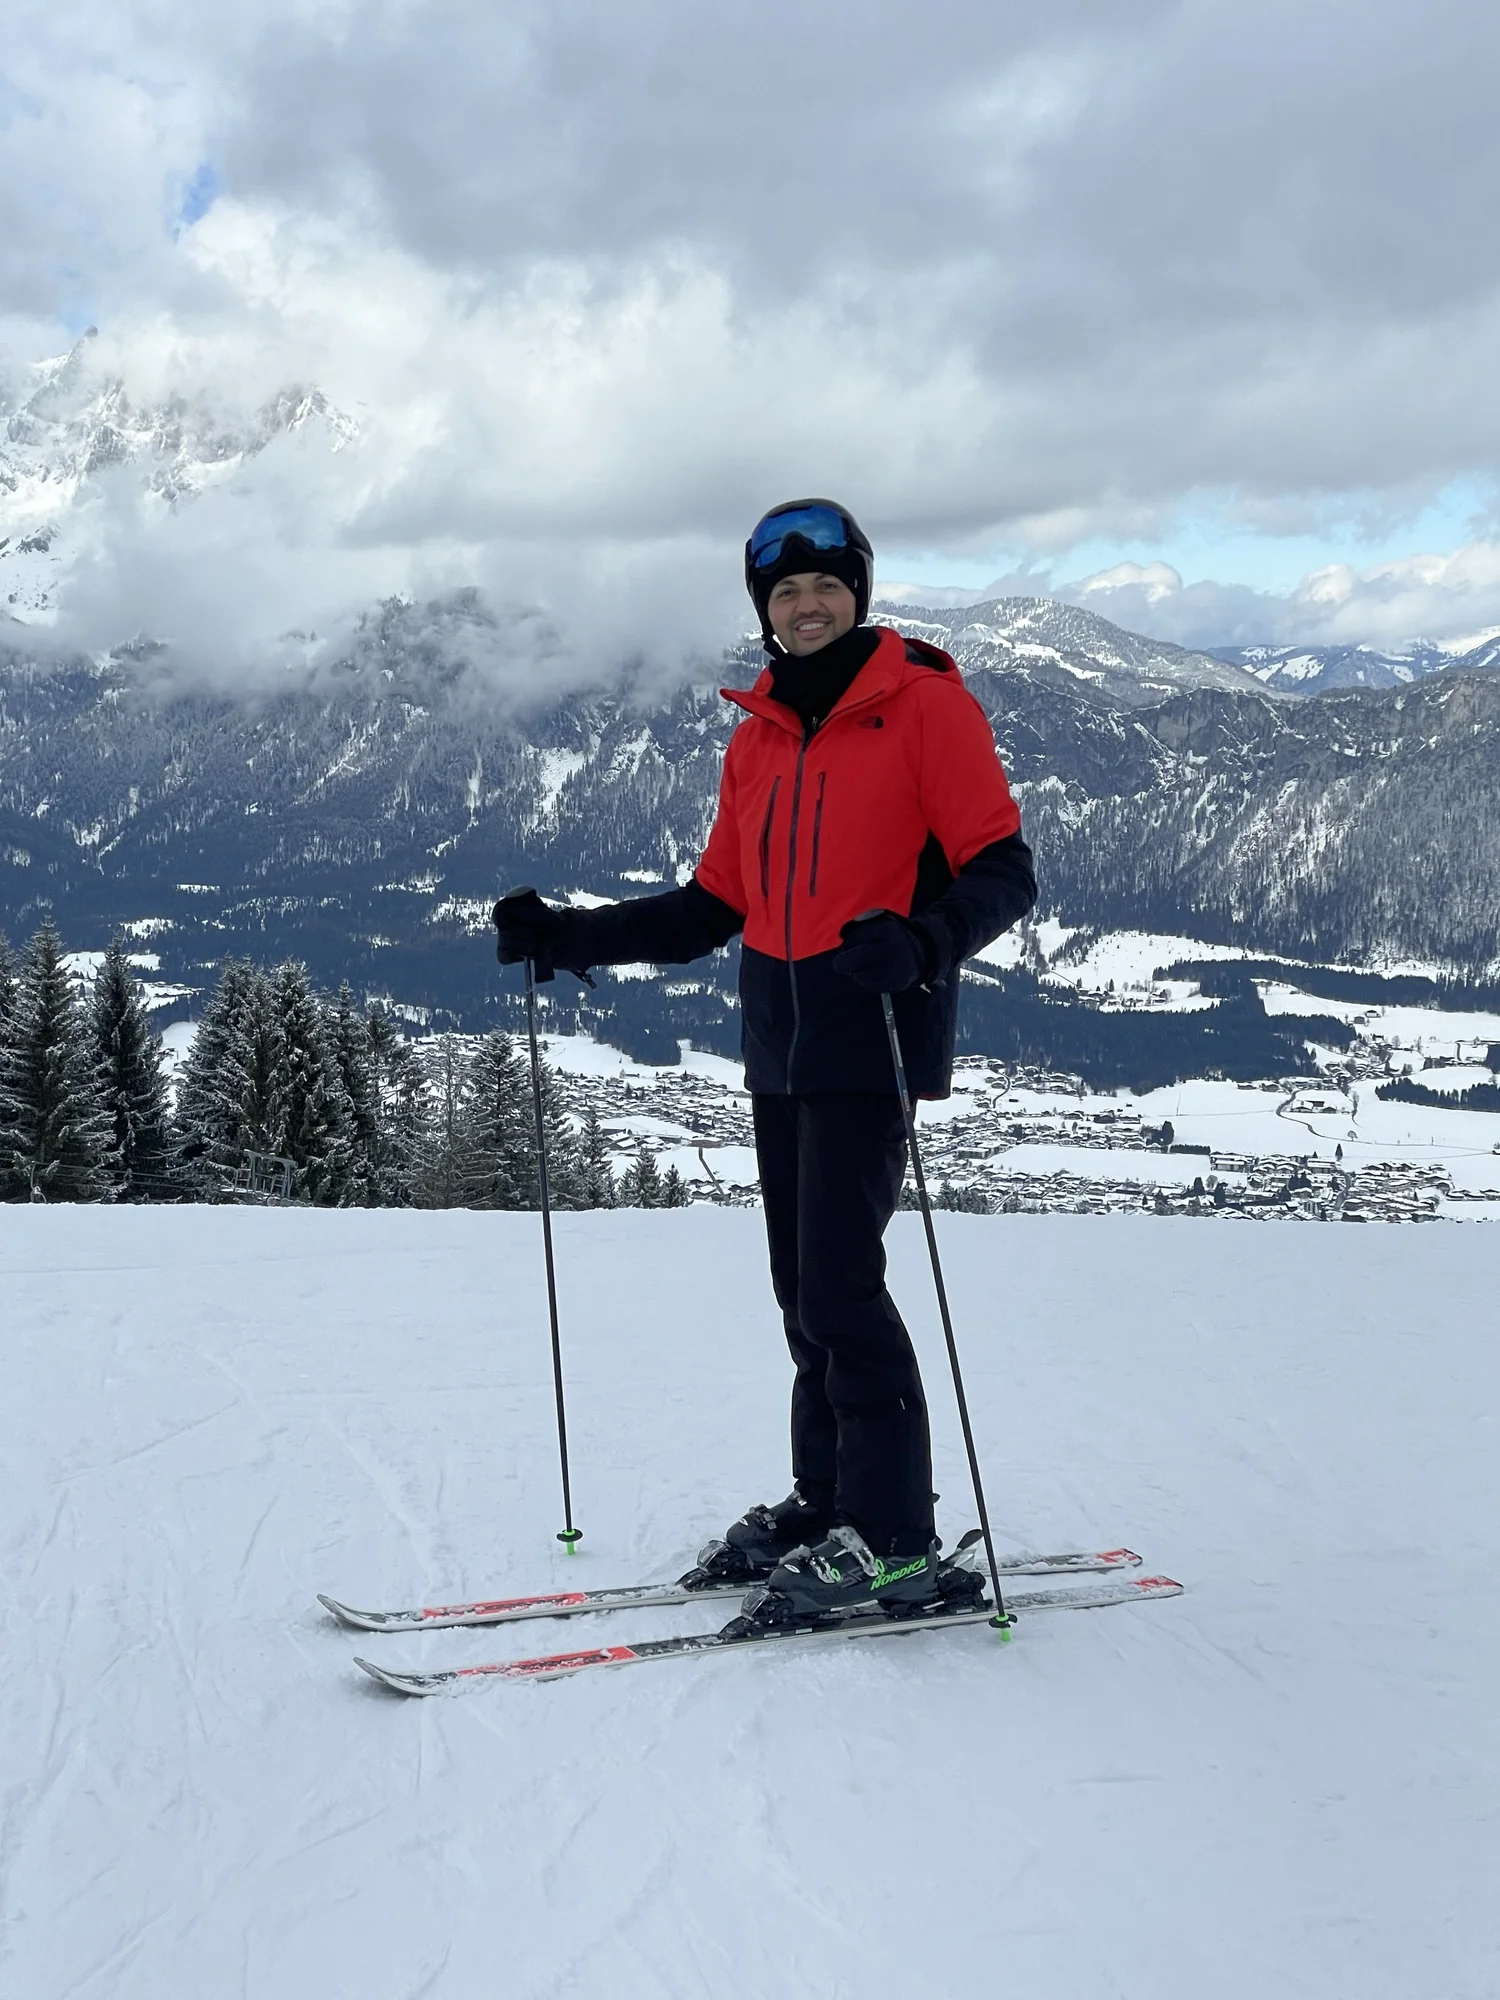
811	834
897	801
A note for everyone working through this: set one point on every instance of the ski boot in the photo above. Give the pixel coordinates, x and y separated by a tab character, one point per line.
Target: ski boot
757	1542
843	1576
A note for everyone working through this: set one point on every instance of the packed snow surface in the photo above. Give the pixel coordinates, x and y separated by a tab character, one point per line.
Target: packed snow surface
1283	1783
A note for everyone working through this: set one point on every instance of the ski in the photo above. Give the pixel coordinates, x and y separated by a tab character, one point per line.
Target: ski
574	1603
871	1624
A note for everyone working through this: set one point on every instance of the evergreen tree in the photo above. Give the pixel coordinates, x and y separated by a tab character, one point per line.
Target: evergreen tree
311	1117
131	1086
397	1078
499	1132
440	1165
596	1176
10	1187
674	1192
212	1096
641	1182
248	1072
961	1200
349	1039
56	1132
564	1160
498	1152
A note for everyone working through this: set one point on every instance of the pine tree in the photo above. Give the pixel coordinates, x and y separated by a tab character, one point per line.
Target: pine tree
564	1160
11	1188
498	1151
596	1176
248	1071
7	985
674	1193
641	1183
311	1117
399	1096
961	1200
215	1096
56	1131
441	1156
349	1040
131	1086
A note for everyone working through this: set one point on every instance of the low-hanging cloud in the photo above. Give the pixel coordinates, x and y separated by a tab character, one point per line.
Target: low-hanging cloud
1443	598
595	287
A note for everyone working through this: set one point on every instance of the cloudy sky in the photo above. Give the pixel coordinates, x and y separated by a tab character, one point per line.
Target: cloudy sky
1199	299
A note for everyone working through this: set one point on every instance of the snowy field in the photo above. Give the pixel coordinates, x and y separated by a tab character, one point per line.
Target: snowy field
1284	1785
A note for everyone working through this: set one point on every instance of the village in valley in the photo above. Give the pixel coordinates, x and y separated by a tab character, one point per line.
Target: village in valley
1013	1139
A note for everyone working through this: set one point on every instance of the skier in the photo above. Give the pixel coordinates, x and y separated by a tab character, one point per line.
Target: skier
866	842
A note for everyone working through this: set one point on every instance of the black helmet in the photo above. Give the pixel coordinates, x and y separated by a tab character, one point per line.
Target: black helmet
809	535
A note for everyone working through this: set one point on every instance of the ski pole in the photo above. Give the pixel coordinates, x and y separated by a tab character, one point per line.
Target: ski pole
569	1536
1002	1619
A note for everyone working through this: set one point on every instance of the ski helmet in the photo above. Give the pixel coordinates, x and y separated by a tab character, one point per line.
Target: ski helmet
809	535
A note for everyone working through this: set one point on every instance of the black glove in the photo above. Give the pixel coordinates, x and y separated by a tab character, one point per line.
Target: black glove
885	953
525	927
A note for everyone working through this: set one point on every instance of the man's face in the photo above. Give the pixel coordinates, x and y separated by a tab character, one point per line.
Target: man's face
809	609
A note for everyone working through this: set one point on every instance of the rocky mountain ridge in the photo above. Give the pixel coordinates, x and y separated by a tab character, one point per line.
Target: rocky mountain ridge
1325	669
63	425
364	818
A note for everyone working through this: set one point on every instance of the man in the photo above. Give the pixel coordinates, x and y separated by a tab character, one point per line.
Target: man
866	842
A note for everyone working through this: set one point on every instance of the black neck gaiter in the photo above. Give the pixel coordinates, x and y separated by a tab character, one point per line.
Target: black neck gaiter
811	686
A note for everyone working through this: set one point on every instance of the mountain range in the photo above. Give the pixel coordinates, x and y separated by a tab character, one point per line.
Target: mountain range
365	818
364	814
1322	669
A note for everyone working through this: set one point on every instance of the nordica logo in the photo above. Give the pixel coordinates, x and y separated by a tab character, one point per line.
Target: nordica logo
898	1575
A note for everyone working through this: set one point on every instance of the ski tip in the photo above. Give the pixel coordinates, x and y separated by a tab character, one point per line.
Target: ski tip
1158	1586
356	1621
397	1683
1123	1558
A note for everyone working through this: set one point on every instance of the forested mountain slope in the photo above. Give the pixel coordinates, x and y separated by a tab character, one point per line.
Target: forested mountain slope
366	818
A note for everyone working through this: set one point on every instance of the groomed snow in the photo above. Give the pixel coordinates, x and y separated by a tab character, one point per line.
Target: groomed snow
1421	1029
1281	1784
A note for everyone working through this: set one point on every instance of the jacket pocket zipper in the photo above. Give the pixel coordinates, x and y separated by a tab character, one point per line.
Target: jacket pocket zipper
765	841
812	876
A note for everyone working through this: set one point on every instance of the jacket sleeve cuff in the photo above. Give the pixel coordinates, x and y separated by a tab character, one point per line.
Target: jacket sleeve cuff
936	947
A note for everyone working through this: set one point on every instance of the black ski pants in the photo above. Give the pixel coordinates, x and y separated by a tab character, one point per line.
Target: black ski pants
831	1166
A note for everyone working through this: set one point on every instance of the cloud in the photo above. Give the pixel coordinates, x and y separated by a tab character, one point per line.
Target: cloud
598	285
1436	597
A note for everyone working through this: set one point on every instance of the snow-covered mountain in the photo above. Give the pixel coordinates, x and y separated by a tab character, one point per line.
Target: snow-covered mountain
63	425
364	816
1320	669
365	819
1059	645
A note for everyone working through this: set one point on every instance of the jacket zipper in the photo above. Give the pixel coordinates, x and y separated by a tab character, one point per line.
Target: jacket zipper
765	841
791	885
812	878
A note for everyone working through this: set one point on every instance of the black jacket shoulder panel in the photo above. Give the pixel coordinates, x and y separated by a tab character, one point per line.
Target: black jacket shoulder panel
920	654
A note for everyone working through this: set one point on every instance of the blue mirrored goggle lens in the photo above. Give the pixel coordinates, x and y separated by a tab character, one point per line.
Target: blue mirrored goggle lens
820	527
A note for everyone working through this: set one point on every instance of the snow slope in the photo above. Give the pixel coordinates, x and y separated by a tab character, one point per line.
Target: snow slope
1281	1784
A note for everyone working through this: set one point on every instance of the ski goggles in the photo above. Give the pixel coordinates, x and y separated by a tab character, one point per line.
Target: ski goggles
818	527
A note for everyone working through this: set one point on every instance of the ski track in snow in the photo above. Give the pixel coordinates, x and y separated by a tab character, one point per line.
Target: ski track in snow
1281	1784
